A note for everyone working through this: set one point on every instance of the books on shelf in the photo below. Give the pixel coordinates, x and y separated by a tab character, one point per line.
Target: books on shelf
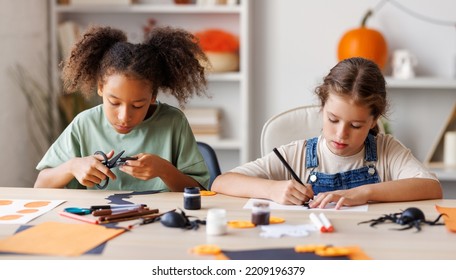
204	122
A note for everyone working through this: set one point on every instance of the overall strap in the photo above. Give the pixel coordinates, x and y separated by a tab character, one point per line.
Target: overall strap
370	148
311	153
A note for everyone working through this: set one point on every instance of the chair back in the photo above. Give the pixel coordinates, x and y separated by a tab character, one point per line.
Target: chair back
298	123
211	161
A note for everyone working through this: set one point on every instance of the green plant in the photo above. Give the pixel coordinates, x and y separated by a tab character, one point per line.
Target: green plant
386	125
50	112
40	102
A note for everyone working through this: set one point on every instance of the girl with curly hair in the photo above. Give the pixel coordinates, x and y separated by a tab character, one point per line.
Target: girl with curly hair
155	135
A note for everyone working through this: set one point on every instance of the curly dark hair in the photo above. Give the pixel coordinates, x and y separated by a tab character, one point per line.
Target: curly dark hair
362	80
169	58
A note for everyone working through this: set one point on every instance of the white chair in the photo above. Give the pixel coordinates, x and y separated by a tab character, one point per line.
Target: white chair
298	123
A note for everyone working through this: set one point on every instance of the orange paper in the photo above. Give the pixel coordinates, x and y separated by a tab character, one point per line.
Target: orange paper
53	238
449	218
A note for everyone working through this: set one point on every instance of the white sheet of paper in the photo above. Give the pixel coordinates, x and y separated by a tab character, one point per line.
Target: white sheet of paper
330	207
21	211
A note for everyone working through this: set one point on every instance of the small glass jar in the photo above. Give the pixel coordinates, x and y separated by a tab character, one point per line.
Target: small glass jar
216	221
260	213
192	198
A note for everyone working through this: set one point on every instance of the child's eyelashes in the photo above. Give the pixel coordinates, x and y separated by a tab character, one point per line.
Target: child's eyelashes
354	126
132	106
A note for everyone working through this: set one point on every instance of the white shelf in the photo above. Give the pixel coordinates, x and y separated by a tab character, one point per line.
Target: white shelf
424	110
225	77
421	83
149	8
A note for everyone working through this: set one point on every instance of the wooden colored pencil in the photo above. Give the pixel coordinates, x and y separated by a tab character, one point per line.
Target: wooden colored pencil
107	212
132	213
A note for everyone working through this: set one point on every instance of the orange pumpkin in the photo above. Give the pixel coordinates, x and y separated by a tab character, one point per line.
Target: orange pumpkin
364	42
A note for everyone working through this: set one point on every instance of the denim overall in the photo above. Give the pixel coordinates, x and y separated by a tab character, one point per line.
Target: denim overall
322	182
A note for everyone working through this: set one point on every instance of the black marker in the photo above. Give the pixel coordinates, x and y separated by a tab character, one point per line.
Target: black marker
117	206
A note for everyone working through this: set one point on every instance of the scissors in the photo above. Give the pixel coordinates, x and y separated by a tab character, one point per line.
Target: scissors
116	161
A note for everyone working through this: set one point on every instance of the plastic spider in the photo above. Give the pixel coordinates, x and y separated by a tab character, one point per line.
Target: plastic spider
410	217
180	220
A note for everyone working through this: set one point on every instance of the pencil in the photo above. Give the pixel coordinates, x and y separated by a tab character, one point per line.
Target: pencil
118	220
116	206
287	166
107	212
132	213
293	174
78	217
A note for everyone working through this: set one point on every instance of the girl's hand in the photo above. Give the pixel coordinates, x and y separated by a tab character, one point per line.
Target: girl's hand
349	197
89	171
145	167
291	192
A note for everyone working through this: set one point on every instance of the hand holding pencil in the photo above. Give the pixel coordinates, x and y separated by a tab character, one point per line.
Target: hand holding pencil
296	178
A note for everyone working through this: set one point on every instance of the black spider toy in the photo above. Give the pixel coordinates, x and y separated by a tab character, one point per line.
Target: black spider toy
410	217
180	220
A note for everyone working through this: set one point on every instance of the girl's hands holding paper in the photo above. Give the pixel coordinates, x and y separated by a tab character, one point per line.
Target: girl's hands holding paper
350	197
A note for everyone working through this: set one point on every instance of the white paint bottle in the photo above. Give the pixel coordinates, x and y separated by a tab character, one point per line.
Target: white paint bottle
216	221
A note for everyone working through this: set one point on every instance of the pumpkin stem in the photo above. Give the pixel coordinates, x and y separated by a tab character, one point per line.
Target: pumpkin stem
366	17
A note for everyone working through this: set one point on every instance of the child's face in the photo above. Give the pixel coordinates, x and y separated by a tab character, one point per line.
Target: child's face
346	125
126	101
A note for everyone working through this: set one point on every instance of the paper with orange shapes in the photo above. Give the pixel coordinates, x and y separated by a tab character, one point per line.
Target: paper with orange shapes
449	218
58	239
21	211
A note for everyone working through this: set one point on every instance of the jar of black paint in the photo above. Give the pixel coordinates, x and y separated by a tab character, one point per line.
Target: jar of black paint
192	198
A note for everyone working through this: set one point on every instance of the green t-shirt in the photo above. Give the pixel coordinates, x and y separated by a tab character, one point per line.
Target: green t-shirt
166	134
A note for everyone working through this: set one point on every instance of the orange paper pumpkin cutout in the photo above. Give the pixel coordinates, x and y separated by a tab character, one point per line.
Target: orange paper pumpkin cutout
449	216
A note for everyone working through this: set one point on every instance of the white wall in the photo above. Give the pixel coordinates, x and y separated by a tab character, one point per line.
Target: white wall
23	33
295	45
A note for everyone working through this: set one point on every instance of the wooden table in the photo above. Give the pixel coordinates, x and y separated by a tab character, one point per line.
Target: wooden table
154	241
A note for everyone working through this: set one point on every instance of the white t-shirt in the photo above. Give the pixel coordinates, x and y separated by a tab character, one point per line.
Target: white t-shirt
394	161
